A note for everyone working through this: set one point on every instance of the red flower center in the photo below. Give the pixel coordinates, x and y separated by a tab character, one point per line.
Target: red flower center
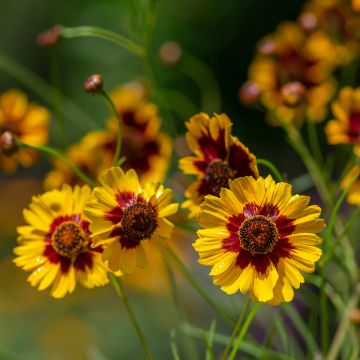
139	222
217	176
68	239
354	126
258	234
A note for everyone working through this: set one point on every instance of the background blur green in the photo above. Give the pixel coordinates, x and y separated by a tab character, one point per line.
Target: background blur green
223	34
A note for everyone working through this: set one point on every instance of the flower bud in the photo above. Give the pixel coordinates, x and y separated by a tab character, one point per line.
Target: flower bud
94	84
8	143
170	53
49	37
249	93
293	93
307	21
267	47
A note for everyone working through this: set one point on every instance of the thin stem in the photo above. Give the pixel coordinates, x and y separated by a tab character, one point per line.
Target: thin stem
244	330
119	133
116	282
169	253
104	34
344	325
314	142
62	105
271	167
55	153
236	329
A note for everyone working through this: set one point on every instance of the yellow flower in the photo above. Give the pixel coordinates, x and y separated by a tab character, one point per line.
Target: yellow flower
146	149
258	238
218	157
129	219
353	196
338	20
356	5
345	128
55	243
293	74
29	122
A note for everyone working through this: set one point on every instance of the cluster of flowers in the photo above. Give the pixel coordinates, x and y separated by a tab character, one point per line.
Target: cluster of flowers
256	236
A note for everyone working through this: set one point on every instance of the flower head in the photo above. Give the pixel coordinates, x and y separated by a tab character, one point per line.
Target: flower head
218	157
353	196
294	78
345	128
258	238
27	121
55	244
126	218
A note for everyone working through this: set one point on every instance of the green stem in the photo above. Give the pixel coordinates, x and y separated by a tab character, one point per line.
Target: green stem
169	253
236	329
62	105
116	282
119	133
104	34
271	167
314	142
55	153
244	330
344	325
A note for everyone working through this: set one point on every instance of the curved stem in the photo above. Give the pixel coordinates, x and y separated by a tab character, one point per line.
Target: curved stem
314	142
119	133
55	153
244	330
271	167
236	329
116	282
180	266
104	34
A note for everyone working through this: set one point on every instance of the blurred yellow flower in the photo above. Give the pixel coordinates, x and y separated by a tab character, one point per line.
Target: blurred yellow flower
353	196
345	128
146	149
258	238
218	157
129	219
27	121
55	243
293	74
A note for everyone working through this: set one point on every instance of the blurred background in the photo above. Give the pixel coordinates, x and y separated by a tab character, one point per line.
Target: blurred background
221	37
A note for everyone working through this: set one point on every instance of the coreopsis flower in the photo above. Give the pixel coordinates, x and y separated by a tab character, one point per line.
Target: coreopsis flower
129	219
27	122
146	149
339	21
353	196
292	74
258	238
218	157
345	128
55	245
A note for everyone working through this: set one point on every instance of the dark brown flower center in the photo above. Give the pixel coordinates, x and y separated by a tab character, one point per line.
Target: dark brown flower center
68	239
258	234
139	222
217	176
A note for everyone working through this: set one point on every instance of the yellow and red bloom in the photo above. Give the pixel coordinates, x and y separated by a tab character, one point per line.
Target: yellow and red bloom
292	72
218	157
258	238
129	219
339	21
26	121
345	128
55	244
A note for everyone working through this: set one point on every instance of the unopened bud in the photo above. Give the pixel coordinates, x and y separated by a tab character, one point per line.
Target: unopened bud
308	21
267	47
94	84
49	37
8	143
249	93
293	93
170	53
